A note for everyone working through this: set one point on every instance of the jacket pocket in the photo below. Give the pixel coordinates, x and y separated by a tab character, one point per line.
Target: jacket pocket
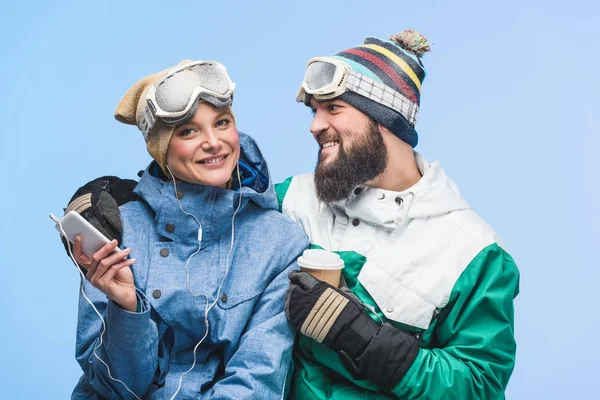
237	291
246	278
230	302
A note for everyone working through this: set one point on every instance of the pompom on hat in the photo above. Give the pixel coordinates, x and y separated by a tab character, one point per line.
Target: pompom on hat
396	63
130	111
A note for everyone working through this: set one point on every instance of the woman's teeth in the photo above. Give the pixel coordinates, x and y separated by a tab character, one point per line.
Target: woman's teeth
213	160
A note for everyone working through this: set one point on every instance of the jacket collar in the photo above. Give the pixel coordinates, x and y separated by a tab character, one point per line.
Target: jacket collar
434	194
211	206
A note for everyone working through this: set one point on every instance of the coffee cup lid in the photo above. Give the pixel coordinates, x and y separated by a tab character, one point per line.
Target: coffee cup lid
320	259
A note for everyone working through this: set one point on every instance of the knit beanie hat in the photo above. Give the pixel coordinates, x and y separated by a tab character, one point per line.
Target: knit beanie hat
130	111
397	64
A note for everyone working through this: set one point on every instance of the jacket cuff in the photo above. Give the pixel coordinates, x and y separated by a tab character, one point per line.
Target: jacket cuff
122	324
388	356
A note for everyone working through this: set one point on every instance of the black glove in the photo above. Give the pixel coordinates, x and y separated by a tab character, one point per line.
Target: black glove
98	202
316	309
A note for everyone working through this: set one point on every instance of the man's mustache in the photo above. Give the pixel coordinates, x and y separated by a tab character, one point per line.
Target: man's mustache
327	136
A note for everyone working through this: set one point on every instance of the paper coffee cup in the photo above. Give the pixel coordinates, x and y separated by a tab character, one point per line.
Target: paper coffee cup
324	265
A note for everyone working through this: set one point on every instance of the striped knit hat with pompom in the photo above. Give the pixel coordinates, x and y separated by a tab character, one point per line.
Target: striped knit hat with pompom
395	62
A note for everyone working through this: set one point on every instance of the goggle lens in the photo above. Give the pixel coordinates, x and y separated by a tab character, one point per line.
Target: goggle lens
212	78
319	74
174	93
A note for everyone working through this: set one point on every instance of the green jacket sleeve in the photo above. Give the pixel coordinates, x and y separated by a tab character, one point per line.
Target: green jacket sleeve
473	345
281	190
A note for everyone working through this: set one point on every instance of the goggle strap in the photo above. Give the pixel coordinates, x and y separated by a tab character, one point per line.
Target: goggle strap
382	94
147	119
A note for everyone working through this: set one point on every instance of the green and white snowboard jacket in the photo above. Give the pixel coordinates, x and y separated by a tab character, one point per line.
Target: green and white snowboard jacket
422	260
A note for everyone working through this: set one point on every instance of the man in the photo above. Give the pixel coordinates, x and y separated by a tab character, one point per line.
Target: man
426	304
431	315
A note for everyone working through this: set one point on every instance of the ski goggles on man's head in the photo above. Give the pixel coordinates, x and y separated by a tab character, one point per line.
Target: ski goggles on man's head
327	78
174	98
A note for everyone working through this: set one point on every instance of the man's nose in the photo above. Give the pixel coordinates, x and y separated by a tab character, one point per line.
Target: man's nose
319	123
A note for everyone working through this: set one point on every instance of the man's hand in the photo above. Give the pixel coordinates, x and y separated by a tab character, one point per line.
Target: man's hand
326	314
318	310
98	202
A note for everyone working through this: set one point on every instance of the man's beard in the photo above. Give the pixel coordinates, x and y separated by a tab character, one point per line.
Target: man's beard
365	161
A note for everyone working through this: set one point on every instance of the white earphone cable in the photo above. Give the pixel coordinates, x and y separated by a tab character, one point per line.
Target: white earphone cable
62	232
207	308
187	263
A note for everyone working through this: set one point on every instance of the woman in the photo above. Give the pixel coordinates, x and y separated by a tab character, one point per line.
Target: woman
193	299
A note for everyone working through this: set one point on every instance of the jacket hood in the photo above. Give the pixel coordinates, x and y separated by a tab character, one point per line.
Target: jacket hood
213	207
256	180
435	193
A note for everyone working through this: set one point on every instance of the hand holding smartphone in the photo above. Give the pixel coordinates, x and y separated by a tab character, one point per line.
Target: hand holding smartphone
107	266
75	225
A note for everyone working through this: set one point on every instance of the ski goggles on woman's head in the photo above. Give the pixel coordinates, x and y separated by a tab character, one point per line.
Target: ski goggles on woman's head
174	98
327	78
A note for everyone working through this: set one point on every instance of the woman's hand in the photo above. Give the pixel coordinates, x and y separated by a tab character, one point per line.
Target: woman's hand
109	271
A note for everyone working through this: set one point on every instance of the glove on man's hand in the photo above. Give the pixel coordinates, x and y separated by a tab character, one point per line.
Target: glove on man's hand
316	309
98	202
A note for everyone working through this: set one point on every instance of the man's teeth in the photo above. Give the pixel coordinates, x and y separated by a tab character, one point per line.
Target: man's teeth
213	160
329	144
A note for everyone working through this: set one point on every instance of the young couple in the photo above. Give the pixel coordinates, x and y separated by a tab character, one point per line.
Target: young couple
203	297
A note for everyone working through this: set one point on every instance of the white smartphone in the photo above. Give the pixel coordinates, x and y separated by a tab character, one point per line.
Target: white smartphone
92	239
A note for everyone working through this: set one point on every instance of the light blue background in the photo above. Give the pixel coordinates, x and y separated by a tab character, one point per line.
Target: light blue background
509	107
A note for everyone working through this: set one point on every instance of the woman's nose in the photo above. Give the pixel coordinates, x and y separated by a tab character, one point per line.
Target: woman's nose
211	141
